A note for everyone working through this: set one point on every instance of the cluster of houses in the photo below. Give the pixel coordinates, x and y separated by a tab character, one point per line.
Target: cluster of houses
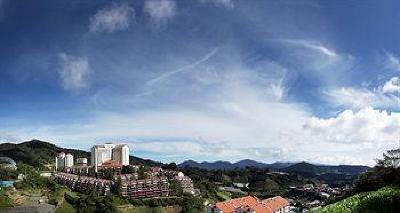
110	159
310	196
251	204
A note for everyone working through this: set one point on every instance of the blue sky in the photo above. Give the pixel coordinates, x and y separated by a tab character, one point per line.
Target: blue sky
204	79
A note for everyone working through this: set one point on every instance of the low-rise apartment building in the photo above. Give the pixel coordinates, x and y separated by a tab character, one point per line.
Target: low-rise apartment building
84	183
151	187
185	182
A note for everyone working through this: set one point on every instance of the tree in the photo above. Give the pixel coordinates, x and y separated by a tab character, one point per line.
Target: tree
386	172
142	172
175	188
127	170
171	166
390	159
192	204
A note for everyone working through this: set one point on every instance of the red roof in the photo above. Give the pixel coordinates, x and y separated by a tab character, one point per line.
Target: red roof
275	203
243	202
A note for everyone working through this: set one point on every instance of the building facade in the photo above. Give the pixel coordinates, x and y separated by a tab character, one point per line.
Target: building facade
81	161
106	152
151	187
84	183
64	161
69	160
185	182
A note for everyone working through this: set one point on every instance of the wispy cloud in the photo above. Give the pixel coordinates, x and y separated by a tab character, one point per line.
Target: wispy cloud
160	12
316	60
113	18
391	61
186	68
312	45
224	3
73	72
384	96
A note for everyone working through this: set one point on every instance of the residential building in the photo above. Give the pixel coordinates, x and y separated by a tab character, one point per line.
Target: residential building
277	204
106	152
64	161
185	182
69	160
84	183
251	204
152	187
81	161
60	161
120	153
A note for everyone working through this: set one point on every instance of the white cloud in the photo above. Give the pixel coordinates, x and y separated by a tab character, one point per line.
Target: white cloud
358	98
392	86
73	72
364	126
113	18
160	12
385	96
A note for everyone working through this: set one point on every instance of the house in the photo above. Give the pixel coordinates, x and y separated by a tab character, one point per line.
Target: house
277	204
251	204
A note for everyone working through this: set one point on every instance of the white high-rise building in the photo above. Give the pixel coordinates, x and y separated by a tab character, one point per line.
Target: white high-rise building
64	161
60	161
121	154
69	160
103	153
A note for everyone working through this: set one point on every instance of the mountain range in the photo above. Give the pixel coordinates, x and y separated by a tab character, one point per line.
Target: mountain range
40	153
304	168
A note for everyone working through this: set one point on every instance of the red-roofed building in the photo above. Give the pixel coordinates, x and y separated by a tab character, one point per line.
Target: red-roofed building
277	204
250	204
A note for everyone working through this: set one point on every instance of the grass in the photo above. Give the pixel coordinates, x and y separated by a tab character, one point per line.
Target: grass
65	207
147	209
386	199
5	202
224	195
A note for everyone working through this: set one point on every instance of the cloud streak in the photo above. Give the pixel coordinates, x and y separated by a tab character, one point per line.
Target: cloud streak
186	68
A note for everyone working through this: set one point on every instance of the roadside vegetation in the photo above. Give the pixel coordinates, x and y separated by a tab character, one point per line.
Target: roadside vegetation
386	199
377	190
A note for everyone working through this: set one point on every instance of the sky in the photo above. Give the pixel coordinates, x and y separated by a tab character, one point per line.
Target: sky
207	80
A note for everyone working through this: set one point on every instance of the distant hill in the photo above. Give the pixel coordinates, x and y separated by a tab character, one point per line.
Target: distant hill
39	153
304	168
228	165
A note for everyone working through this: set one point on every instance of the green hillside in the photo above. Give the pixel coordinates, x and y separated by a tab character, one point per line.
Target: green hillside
386	199
38	153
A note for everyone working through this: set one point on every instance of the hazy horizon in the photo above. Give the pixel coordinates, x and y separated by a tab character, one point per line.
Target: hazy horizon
206	80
